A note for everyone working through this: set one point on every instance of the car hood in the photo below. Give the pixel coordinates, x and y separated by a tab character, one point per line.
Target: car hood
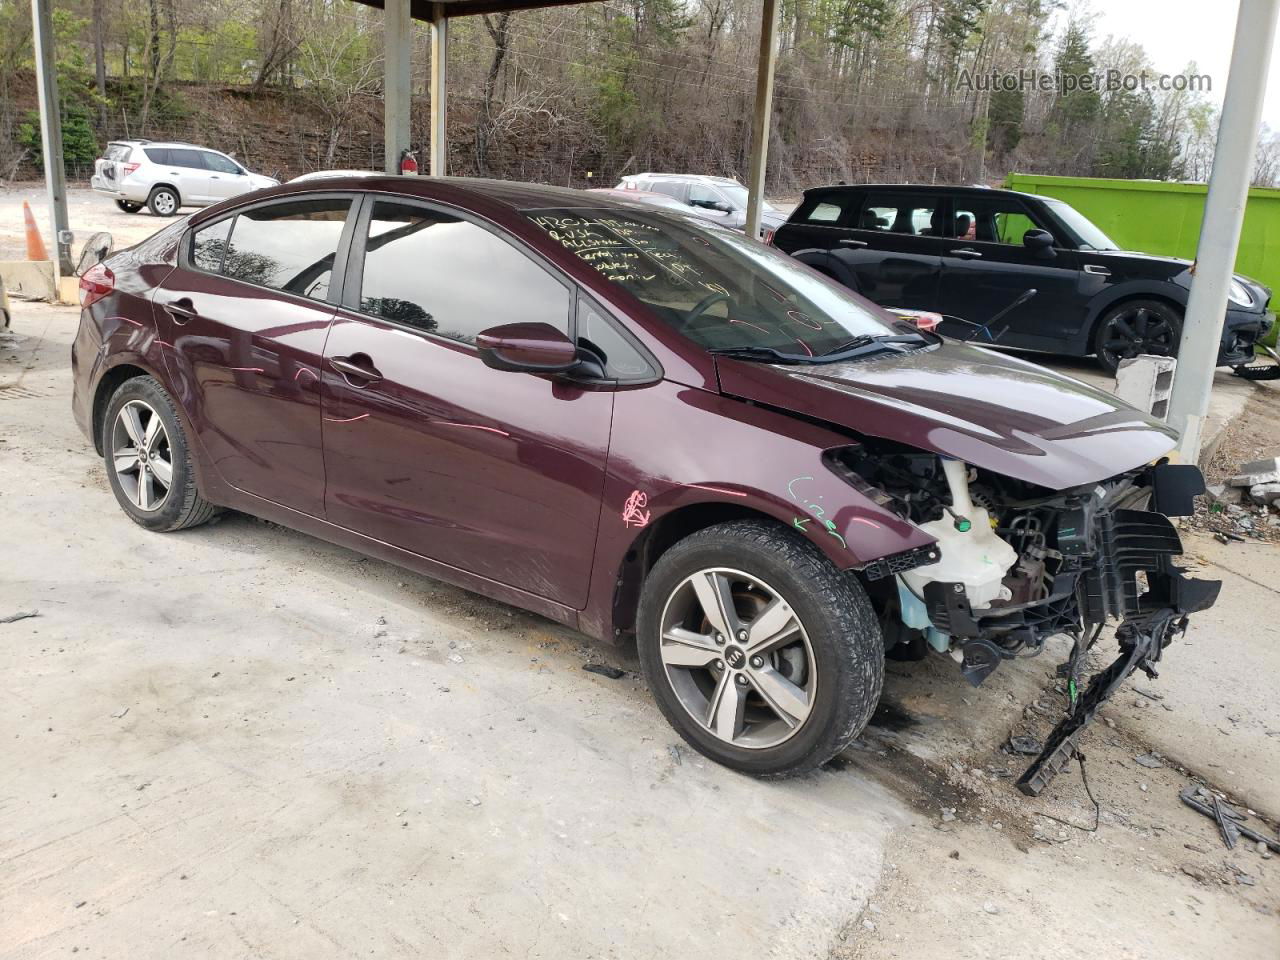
993	411
259	182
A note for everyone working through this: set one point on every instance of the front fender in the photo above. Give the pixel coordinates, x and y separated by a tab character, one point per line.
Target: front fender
676	448
1127	290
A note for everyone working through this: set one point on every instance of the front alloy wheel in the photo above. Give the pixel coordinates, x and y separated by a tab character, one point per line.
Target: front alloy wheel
1137	328
737	658
760	652
141	455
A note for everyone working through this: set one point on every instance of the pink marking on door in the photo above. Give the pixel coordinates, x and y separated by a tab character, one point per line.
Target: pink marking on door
472	426
347	420
703	486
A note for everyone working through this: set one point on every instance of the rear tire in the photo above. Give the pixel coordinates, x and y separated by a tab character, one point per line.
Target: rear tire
164	201
804	660
148	460
128	206
1134	328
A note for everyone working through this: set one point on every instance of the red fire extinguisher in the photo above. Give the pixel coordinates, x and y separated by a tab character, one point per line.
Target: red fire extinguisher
408	163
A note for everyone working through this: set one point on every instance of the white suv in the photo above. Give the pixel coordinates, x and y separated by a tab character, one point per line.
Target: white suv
715	198
166	176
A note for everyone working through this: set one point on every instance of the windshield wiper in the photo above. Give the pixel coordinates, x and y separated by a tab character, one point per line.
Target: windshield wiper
860	346
766	354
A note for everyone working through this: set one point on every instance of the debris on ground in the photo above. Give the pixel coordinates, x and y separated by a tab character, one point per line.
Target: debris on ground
20	615
613	673
119	713
1027	746
1231	822
1149	760
1242	495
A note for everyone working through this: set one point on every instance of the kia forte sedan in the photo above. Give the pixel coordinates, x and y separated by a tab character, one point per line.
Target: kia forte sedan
646	427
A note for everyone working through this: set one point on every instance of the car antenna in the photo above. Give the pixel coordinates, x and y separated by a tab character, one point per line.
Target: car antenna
986	327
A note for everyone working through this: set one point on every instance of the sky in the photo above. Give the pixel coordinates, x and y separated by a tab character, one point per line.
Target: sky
1175	32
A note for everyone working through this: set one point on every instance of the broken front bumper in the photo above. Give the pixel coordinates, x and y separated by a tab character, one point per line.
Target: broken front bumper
1121	570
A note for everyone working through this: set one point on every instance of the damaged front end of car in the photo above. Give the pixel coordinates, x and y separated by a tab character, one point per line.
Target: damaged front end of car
1019	564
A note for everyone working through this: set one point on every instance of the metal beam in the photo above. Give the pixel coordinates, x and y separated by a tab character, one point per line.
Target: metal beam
397	44
764	108
1233	160
51	131
439	89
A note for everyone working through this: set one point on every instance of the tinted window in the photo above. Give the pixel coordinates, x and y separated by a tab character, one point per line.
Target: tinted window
622	360
287	246
998	220
157	154
717	287
192	159
915	215
219	164
450	277
672	188
209	244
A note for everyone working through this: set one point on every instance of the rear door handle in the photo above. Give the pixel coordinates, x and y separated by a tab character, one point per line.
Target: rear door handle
853	243
181	309
358	366
965	253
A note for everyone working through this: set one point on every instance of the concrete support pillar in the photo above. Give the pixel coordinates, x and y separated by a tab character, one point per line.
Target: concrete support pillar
439	90
763	110
51	132
1223	217
397	44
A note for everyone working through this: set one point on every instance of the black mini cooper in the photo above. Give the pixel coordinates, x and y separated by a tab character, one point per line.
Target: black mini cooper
972	253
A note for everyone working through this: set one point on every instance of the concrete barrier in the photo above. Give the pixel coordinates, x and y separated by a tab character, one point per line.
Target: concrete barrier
30	279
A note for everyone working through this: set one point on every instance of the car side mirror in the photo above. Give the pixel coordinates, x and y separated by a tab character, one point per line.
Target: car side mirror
1039	242
527	348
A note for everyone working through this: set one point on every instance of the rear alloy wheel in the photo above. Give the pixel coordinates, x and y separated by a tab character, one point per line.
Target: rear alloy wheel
128	206
761	654
163	201
148	461
1135	328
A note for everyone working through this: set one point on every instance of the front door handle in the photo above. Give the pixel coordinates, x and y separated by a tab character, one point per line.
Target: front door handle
1096	270
181	309
965	253
358	366
853	243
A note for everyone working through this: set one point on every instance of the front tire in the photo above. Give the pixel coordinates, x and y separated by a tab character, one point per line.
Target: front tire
1134	328
148	460
164	201
128	206
761	654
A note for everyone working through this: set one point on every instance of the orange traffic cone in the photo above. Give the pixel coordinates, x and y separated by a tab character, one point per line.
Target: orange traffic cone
35	246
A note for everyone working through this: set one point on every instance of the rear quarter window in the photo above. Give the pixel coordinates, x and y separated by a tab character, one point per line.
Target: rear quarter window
824	210
157	154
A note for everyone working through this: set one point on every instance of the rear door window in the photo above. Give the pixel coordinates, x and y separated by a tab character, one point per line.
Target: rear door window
209	244
191	159
441	274
915	215
287	246
672	188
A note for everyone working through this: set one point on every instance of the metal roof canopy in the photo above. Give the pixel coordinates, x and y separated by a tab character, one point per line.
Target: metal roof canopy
396	85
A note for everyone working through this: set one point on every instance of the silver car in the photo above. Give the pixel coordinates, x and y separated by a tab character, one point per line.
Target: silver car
164	177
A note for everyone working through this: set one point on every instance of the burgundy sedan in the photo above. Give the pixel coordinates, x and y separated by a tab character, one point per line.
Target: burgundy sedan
647	428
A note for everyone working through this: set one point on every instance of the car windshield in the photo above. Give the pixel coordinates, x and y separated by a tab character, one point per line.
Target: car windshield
1084	228
714	285
738	196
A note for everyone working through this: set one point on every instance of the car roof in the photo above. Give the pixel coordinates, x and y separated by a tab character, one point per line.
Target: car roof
704	177
498	199
969	188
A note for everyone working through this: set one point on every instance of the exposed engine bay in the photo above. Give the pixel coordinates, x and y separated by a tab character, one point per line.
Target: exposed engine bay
1016	564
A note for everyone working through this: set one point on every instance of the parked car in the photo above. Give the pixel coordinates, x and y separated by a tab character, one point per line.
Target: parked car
970	252
638	425
327	174
718	198
164	177
655	200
